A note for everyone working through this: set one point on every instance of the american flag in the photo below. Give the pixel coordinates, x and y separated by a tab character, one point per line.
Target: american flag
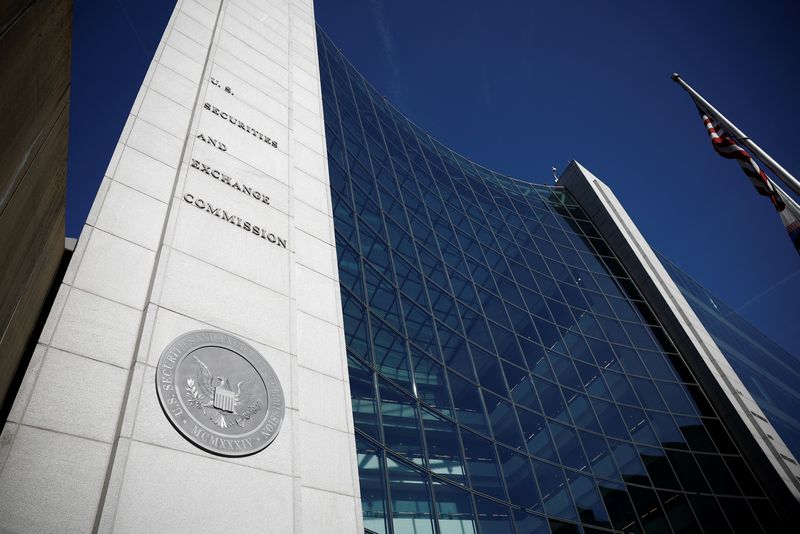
727	148
790	216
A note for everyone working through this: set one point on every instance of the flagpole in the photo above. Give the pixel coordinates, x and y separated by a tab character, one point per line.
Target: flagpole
787	199
790	181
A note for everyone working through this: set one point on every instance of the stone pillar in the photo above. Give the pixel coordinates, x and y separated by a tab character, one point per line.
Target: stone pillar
227	129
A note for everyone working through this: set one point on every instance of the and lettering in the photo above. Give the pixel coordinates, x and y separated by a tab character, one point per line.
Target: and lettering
213	142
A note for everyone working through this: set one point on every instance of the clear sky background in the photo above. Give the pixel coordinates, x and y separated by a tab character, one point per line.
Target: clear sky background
522	86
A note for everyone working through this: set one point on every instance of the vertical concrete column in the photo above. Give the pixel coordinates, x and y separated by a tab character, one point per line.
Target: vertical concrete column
768	455
328	483
225	136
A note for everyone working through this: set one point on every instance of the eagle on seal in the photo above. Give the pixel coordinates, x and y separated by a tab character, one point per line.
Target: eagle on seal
217	399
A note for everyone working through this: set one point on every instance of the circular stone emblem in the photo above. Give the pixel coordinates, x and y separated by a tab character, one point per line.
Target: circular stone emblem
220	393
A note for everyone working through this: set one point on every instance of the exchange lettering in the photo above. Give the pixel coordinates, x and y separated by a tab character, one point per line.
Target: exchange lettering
230	182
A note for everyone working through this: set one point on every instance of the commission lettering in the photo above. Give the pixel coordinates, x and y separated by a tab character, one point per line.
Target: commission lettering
245	225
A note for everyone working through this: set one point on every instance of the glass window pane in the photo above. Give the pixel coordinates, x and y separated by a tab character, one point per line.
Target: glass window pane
355	326
506	343
411	500
431	385
552	401
629	463
638	425
678	512
582	412
648	394
630	361
610	419
537	435
467	403
565	371
587	499
504	423
362	398
744	477
700	401
561	527
568	445
620	388
598	455
390	353
647	506
453	509
373	494
494	518
658	467
658	365
553	486
454	350
675	397
709	513
603	353
530	523
519	479
490	374
524	394
720	436
593	381
444	450
666	430
688	472
766	514
482	465
400	425
717	474
620	509
695	433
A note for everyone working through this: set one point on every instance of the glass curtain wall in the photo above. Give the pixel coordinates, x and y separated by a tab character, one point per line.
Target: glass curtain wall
505	373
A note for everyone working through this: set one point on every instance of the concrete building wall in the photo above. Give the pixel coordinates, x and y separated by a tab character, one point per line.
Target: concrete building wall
35	39
87	444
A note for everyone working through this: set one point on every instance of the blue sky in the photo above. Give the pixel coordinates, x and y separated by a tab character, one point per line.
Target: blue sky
522	86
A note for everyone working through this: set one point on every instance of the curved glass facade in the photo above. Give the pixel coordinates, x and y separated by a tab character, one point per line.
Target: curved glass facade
505	373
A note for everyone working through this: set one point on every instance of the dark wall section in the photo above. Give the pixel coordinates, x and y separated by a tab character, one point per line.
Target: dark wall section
35	50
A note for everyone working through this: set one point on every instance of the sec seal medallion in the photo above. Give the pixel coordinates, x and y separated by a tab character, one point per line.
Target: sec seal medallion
220	393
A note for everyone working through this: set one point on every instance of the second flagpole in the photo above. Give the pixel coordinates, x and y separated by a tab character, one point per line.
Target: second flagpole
790	181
